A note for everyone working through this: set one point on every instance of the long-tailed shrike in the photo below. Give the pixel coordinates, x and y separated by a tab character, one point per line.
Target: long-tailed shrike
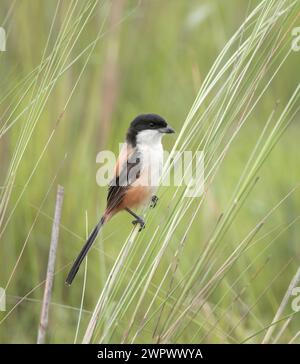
136	176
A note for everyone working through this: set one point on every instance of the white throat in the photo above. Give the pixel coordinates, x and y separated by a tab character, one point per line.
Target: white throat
151	150
149	137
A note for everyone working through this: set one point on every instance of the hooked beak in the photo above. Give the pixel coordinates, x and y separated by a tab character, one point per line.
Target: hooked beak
167	130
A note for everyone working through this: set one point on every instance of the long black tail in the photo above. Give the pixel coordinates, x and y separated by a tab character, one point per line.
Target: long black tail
84	251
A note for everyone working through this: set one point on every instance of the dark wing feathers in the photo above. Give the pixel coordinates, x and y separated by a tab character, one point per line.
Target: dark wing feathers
129	172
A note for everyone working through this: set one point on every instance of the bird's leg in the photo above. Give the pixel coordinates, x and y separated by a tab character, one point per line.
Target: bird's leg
154	200
138	219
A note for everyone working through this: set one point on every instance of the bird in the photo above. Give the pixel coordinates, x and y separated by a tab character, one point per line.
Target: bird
136	176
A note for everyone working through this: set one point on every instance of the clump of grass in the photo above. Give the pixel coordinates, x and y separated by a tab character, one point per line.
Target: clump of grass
131	304
34	91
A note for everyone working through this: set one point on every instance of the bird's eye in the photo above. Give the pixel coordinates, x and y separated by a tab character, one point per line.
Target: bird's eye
152	125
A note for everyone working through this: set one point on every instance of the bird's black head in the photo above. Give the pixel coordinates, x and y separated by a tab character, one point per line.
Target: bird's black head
147	126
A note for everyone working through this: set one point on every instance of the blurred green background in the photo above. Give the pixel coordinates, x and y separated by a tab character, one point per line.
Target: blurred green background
152	57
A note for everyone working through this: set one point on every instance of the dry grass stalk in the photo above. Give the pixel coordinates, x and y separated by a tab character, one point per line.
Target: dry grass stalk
51	265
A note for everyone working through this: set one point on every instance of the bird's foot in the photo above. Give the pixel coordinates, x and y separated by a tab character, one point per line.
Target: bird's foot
141	222
154	200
